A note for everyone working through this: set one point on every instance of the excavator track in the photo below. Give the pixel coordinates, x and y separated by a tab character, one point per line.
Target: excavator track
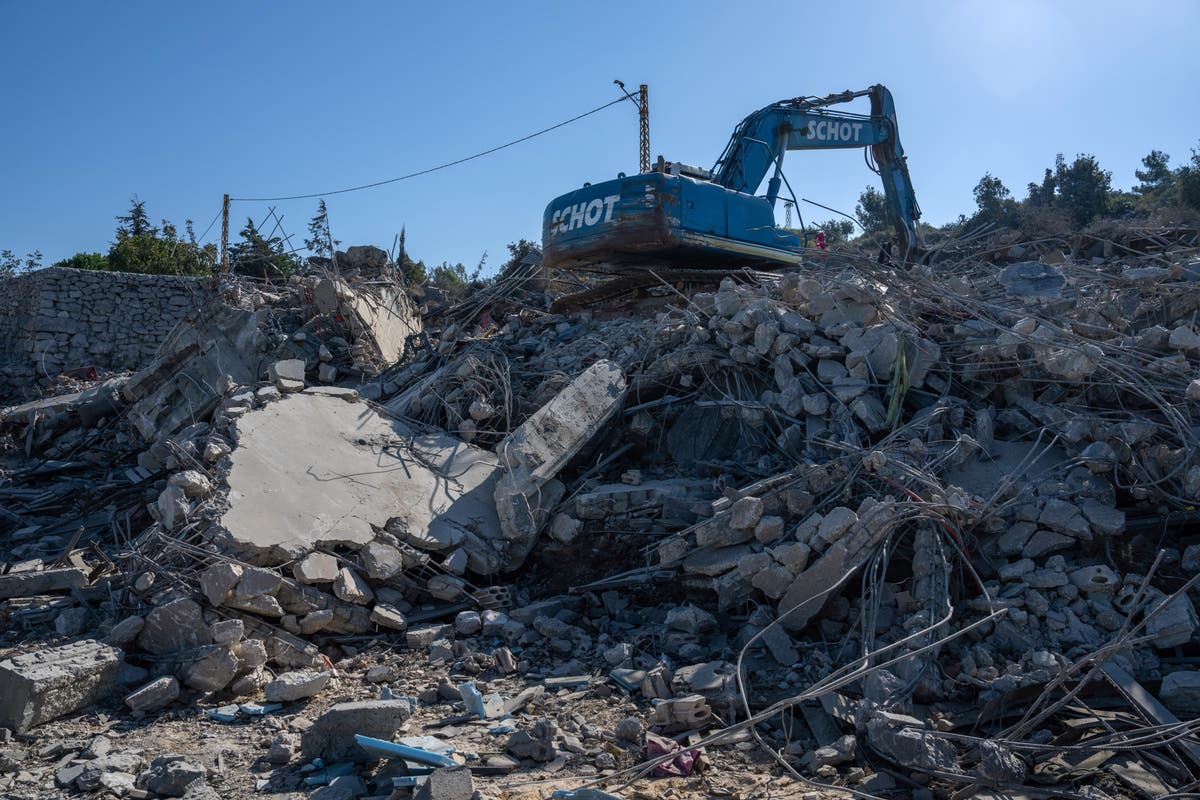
657	283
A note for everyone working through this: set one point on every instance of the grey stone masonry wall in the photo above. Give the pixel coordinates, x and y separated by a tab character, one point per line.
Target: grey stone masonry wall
58	319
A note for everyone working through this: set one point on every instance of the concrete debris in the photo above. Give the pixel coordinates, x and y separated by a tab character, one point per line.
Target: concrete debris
291	686
549	538
153	696
47	684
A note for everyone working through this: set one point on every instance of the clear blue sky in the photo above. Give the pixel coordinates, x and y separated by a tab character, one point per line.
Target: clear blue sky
180	102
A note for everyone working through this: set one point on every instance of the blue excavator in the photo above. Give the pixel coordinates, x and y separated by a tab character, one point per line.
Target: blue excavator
680	217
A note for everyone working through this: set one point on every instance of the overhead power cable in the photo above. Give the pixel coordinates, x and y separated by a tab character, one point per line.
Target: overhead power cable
433	169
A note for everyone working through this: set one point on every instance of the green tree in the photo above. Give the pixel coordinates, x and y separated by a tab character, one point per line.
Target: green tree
261	256
1042	194
10	264
136	222
450	279
518	252
1187	182
837	231
872	210
140	247
320	241
994	203
93	261
413	272
1083	188
1156	175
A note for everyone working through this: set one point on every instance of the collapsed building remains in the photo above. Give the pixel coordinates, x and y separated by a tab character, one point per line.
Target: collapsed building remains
869	529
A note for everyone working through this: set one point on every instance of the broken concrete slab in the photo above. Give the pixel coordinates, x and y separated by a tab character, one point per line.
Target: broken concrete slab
194	368
46	684
344	468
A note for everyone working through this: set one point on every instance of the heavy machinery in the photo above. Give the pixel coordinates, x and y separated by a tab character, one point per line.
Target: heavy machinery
705	221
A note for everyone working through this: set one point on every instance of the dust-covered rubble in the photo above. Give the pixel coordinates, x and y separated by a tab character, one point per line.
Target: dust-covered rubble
826	524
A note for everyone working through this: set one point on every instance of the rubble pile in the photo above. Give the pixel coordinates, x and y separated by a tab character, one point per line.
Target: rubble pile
891	530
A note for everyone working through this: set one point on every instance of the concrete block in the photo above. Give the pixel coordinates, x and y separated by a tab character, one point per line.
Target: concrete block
316	568
46	684
153	695
296	685
386	616
218	581
332	736
1180	692
447	783
173	627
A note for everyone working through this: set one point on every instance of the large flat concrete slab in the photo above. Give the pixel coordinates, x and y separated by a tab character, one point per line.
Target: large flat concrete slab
312	471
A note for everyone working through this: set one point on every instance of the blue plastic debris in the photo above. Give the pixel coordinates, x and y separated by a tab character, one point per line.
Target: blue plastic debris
259	709
329	773
386	749
582	794
223	714
430	743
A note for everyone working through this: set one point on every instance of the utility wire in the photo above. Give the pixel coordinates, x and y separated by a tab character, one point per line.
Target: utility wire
216	217
432	169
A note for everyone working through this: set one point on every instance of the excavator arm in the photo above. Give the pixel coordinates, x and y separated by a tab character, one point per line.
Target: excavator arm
758	145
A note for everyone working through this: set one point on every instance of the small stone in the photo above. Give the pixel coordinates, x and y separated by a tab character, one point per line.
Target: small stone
564	528
349	586
388	616
153	696
691	619
315	621
256	582
193	482
172	776
1180	692
769	529
1045	542
381	561
218	581
745	513
316	568
287	375
213	672
126	630
227	631
71	621
282	749
835	524
468	623
629	730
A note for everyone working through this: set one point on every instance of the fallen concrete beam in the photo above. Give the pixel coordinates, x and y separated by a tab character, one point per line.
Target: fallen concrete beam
28	584
546	441
46	684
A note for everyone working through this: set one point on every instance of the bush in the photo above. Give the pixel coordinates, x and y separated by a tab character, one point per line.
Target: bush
93	261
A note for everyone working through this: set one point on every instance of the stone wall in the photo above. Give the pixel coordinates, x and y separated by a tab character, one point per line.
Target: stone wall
59	319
